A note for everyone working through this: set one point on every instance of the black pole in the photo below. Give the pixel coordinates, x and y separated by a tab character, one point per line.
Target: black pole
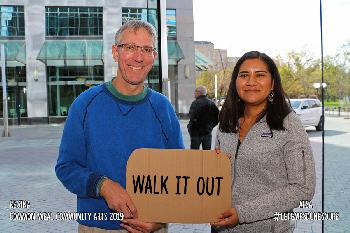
323	119
147	7
159	47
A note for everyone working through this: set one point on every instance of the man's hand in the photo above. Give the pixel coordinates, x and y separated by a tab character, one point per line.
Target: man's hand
118	199
229	217
138	226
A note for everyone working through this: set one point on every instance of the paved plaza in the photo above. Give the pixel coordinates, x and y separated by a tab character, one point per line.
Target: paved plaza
28	157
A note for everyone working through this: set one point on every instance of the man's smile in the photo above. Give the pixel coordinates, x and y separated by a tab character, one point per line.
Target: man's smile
135	67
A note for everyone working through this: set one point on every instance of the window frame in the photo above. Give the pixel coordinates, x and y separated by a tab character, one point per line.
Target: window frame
92	17
17	22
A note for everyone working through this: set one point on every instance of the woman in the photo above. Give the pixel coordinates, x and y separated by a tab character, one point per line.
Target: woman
272	162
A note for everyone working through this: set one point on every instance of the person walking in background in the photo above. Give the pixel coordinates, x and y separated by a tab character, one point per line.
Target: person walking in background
203	118
106	124
270	152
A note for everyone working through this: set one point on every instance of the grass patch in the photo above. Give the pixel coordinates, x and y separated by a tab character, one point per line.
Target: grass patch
331	103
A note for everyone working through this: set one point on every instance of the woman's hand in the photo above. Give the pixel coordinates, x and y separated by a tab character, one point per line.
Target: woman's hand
229	217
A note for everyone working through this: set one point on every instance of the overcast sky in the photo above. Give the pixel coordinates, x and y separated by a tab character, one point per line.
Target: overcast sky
272	26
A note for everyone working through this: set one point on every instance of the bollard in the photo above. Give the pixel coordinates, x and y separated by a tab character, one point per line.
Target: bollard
339	108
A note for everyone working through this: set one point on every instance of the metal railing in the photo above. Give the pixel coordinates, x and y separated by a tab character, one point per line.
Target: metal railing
337	111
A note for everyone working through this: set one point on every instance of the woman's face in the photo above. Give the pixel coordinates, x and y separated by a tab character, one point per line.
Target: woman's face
254	82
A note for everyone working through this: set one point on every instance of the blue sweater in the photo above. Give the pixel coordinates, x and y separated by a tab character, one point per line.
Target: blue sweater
100	133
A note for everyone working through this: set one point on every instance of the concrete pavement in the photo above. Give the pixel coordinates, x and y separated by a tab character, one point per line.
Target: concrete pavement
27	162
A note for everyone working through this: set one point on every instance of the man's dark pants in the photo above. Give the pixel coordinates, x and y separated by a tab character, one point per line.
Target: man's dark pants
205	140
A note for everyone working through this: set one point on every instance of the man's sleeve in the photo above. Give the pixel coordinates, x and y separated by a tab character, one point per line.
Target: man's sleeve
71	168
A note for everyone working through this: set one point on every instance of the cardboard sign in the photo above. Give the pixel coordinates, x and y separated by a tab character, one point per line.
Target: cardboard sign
179	186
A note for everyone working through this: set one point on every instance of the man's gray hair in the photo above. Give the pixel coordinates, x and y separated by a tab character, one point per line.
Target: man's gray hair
136	25
202	90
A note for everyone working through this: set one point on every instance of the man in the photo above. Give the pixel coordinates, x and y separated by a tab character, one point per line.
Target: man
203	118
106	124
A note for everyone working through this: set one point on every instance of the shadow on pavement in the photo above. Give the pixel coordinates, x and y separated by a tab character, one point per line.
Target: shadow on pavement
334	132
327	133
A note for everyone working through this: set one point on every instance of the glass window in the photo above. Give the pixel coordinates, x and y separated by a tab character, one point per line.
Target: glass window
16	92
74	21
312	104
317	103
12	21
152	80
151	16
66	83
295	103
16	102
171	22
133	13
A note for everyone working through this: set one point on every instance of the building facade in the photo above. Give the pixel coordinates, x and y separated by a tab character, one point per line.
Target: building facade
218	59
57	49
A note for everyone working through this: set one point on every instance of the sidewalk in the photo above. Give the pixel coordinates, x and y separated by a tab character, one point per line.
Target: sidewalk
27	161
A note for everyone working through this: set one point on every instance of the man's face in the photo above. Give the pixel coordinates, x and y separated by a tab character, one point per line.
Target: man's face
134	62
196	94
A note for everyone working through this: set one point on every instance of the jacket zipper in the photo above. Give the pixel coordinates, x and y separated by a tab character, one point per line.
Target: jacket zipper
235	162
304	167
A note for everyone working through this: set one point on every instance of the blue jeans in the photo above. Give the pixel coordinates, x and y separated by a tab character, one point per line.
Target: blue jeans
205	140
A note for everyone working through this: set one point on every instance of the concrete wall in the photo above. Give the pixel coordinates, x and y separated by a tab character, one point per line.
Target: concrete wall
186	67
34	13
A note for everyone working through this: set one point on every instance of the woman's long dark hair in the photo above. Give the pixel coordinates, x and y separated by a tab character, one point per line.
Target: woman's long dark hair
233	107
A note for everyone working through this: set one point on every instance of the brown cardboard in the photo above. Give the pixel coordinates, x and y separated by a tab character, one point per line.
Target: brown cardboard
175	206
